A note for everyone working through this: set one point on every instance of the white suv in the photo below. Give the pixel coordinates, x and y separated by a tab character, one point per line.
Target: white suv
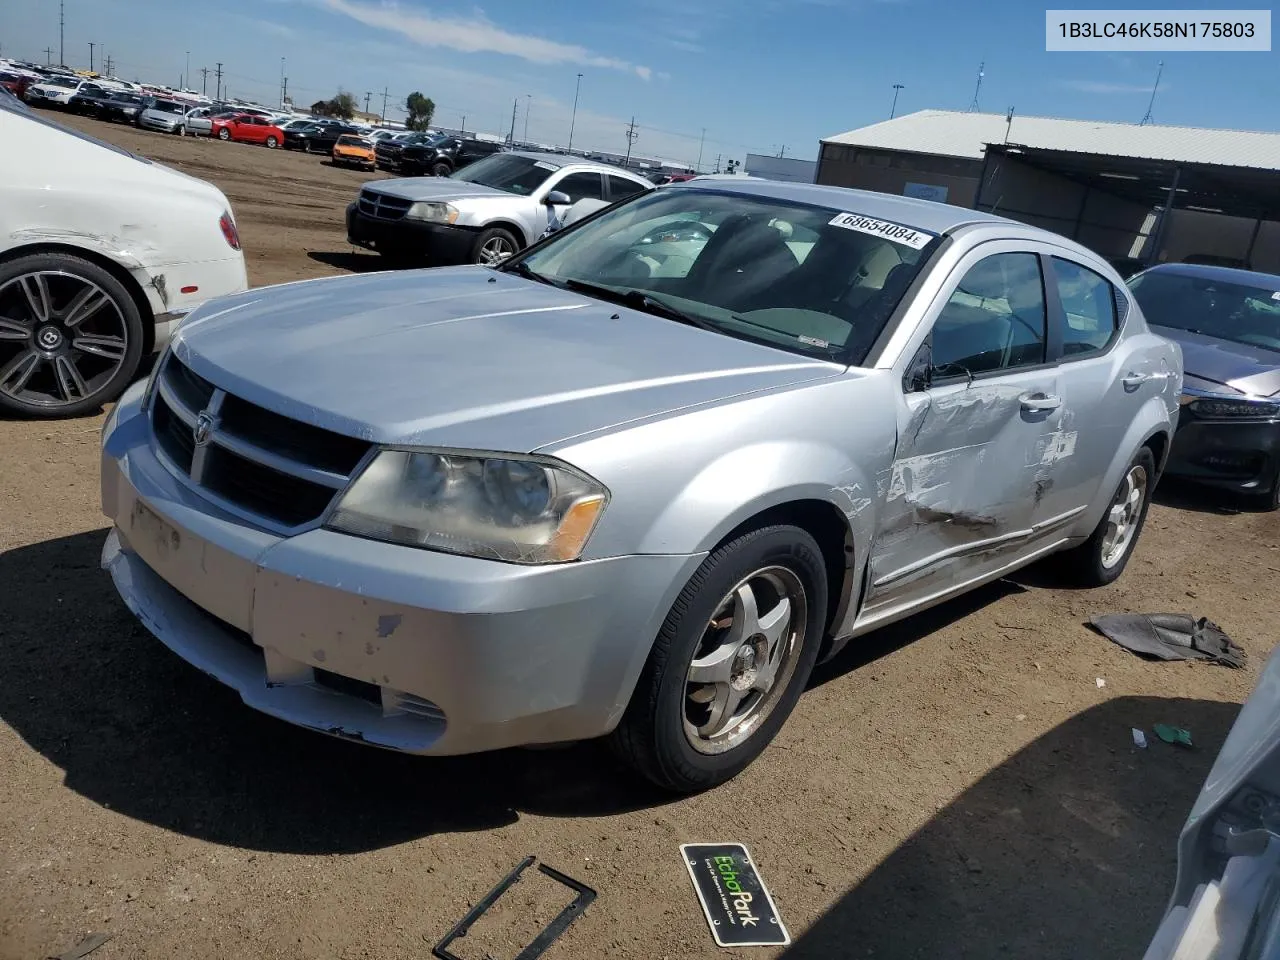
101	254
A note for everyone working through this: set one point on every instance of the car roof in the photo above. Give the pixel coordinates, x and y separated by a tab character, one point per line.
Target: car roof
922	214
1206	271
564	160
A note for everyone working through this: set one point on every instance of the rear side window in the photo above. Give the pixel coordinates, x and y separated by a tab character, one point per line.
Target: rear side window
1089	302
620	187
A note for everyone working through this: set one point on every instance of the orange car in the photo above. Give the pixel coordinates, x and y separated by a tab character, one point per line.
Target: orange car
353	151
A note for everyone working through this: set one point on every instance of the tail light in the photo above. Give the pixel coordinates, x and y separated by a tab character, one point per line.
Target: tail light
229	231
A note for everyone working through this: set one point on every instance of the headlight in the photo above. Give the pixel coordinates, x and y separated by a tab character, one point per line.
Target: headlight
496	507
433	212
1216	409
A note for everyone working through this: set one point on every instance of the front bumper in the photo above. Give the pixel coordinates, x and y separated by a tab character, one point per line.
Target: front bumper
401	648
440	242
164	126
1244	457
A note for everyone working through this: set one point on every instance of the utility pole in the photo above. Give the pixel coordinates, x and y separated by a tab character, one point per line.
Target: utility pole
511	137
48	56
91	46
717	169
385	94
631	139
62	48
1148	118
186	76
973	104
783	152
107	68
528	104
464	124
368	95
698	167
204	81
897	87
574	121
218	74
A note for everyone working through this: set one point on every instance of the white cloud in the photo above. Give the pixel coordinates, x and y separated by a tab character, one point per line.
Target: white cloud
644	73
1099	86
475	35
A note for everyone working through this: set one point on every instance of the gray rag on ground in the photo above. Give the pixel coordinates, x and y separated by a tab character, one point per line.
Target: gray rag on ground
1170	636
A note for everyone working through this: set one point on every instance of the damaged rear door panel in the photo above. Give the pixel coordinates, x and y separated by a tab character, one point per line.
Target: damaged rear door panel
979	443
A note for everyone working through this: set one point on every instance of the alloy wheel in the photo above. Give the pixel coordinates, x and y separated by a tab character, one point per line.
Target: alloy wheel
745	659
1124	515
62	338
495	251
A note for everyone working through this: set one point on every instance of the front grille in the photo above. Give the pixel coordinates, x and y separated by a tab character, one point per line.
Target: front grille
380	206
280	470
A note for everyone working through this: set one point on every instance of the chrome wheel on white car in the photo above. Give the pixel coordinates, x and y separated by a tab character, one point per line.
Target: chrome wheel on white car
70	336
1102	558
494	246
745	659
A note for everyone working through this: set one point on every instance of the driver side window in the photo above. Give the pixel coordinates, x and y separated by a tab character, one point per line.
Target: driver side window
581	186
995	319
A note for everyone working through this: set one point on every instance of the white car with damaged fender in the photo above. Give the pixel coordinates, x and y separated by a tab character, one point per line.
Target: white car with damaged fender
101	254
637	480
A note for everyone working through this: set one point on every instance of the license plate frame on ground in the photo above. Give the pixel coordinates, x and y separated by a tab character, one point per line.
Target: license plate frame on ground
739	910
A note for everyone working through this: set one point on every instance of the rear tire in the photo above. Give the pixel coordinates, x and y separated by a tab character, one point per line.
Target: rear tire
1102	558
81	349
224	134
675	731
441	170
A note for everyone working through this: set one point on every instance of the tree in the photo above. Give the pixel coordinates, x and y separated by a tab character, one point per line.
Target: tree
421	109
344	105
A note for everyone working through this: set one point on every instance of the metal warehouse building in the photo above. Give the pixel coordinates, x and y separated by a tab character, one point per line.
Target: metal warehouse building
1106	185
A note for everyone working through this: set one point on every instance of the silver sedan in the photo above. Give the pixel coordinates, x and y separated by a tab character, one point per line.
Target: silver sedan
636	481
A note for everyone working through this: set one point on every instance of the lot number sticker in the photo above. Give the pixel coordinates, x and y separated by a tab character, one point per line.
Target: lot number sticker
894	232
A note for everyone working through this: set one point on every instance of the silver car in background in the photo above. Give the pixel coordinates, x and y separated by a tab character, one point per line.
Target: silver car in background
636	481
485	212
166	116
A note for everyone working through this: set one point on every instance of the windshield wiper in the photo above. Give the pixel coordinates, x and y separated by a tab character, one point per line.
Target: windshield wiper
522	269
644	302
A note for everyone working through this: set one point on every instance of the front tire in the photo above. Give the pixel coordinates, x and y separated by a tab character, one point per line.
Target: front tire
729	663
493	246
272	143
180	130
70	336
1102	558
441	170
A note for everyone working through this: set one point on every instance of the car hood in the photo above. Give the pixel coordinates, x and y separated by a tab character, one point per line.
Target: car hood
466	357
435	188
1244	367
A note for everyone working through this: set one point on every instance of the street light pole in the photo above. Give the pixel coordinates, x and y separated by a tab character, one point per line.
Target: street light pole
528	104
574	121
186	74
894	108
698	167
91	46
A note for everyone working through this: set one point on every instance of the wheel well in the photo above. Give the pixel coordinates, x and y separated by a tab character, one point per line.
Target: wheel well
1159	444
106	263
827	525
508	226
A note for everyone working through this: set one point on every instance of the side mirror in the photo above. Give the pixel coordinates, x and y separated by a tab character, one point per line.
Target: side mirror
919	375
557	198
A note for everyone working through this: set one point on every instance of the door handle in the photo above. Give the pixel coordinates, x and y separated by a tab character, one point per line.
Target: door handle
1039	403
1134	380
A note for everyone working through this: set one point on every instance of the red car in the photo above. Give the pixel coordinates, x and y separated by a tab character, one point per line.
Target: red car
247	127
15	83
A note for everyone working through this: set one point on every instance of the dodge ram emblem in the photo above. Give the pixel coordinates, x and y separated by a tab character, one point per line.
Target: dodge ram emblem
203	428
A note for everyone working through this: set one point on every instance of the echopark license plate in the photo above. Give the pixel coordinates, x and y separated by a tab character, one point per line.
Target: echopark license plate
147	525
734	899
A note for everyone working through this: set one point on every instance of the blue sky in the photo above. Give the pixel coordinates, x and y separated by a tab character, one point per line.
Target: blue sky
758	75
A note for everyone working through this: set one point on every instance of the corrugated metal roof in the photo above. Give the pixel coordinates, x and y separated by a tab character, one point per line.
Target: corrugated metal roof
952	134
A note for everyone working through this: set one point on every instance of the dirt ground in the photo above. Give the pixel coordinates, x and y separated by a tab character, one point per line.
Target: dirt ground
955	786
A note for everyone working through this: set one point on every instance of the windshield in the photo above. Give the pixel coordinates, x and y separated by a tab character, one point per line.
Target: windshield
59	82
1240	313
350	140
813	280
508	171
168	106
